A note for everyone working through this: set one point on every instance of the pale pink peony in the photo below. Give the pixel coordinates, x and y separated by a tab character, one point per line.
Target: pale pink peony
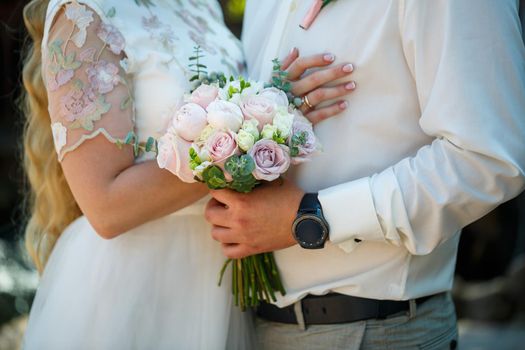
189	121
259	108
224	115
173	155
276	95
271	159
204	95
103	76
110	35
221	146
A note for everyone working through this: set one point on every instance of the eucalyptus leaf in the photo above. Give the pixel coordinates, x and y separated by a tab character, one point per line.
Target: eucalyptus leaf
111	12
214	177
150	144
130	138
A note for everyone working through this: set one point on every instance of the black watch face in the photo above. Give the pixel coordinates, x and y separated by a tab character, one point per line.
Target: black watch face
310	232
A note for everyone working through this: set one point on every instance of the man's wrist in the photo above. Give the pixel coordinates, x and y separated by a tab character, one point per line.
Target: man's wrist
310	229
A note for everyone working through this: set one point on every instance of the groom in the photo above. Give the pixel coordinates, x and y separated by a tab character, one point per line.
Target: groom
433	139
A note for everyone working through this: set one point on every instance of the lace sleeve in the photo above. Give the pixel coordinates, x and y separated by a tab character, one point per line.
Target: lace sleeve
87	88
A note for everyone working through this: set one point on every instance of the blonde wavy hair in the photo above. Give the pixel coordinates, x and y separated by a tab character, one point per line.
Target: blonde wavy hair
50	203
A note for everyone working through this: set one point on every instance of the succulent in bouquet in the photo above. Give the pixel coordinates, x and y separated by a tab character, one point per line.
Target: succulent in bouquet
234	133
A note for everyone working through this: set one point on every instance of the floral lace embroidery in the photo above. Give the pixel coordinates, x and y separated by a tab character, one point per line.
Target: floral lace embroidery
81	18
111	37
59	136
85	102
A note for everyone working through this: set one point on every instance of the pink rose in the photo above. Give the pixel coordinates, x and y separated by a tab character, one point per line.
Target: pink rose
275	95
271	159
224	115
221	146
189	121
174	156
204	95
259	108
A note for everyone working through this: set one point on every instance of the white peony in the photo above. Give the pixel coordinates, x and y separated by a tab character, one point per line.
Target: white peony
224	115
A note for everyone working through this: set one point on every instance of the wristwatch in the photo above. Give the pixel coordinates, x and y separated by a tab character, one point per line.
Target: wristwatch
310	228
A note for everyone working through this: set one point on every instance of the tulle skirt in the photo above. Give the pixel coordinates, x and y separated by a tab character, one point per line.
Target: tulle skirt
154	287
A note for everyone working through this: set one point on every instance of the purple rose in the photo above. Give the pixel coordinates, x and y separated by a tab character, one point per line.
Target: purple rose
271	159
309	146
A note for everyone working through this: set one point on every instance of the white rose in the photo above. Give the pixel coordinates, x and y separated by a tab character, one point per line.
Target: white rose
283	122
275	95
224	115
245	140
268	131
251	126
200	168
254	88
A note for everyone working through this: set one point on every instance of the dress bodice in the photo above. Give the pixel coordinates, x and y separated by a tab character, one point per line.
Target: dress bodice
159	38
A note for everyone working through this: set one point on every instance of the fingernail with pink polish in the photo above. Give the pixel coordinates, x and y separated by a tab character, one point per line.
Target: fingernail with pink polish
343	105
328	57
347	68
292	51
350	85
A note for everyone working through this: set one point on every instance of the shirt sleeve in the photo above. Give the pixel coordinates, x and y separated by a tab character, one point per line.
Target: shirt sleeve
88	92
468	61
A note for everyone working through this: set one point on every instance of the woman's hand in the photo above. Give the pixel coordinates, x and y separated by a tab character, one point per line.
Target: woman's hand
313	85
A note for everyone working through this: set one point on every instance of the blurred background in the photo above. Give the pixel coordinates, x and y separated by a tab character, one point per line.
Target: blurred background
490	275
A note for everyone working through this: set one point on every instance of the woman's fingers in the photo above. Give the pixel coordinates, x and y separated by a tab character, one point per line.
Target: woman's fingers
292	56
319	78
323	94
301	64
318	115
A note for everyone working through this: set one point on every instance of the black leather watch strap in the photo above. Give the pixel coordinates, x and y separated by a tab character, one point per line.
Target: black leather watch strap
309	203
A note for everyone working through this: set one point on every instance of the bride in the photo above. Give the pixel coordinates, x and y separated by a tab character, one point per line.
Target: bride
124	250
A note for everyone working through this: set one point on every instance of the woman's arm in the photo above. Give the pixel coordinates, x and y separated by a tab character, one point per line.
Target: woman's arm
117	195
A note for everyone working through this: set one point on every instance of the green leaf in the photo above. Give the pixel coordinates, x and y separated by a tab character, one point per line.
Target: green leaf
243	184
111	12
124	104
150	144
214	177
130	138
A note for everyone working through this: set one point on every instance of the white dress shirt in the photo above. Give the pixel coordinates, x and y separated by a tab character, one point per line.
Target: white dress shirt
433	139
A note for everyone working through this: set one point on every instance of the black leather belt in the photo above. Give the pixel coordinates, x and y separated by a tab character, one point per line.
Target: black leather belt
336	308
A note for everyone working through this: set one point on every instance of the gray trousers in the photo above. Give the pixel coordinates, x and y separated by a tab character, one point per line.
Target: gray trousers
431	325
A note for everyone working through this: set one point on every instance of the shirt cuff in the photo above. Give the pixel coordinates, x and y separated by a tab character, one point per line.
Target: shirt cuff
350	212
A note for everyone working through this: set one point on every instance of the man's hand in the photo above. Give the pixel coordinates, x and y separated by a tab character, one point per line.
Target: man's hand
256	222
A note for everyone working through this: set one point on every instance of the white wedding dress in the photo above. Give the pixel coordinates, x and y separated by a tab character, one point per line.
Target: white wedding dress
154	287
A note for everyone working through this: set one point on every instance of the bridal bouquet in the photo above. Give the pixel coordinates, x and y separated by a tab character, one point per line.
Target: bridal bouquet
235	133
